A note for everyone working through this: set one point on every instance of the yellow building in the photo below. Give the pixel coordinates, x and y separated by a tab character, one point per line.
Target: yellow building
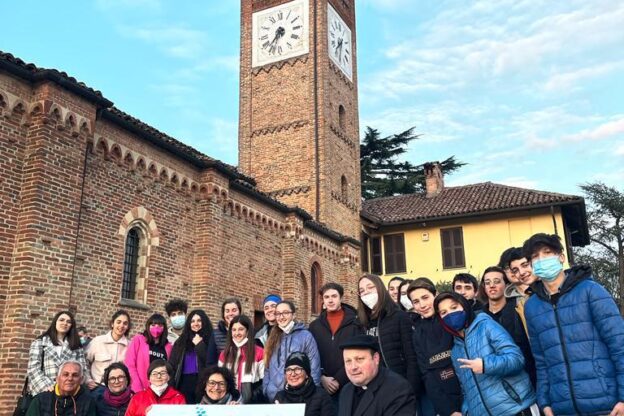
462	229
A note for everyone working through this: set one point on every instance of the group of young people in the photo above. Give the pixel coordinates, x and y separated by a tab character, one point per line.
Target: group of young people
531	338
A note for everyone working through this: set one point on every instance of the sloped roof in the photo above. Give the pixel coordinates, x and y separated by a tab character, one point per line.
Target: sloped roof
460	201
33	73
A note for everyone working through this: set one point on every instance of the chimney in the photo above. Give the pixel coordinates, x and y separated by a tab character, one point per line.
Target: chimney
434	180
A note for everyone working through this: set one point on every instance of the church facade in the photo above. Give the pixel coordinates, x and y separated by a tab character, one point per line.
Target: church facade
100	211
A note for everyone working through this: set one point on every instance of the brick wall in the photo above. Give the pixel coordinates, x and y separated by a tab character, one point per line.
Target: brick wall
72	186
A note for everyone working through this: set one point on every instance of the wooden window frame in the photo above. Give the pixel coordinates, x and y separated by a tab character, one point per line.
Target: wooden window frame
376	256
451	249
394	258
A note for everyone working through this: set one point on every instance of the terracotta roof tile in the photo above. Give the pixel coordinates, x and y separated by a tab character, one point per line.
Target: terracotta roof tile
460	201
33	73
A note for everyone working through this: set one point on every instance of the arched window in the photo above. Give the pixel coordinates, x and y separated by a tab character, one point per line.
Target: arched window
315	286
342	117
131	264
344	187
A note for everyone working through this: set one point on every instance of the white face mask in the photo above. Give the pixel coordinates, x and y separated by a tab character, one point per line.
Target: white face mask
370	299
288	327
407	304
159	390
241	342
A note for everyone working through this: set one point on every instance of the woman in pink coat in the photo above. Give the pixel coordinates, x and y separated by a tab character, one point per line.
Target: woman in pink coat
145	348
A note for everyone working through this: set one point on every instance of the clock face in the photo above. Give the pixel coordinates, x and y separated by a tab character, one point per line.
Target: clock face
280	32
339	42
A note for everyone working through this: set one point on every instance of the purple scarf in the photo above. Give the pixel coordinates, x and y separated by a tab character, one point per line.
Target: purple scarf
117	400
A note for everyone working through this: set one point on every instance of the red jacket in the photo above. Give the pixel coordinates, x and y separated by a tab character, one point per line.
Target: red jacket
141	401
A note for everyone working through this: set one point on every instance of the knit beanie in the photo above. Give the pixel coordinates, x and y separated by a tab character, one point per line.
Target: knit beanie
299	358
272	298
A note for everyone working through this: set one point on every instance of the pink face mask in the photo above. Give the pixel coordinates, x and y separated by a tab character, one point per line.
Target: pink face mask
156	331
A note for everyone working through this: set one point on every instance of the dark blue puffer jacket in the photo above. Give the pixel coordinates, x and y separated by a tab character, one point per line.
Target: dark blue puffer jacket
577	338
504	388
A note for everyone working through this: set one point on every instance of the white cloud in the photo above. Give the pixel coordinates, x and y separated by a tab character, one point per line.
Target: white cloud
487	41
567	80
519	181
178	42
603	131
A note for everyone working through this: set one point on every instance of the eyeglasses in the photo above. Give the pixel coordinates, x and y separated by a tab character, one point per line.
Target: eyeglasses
296	371
118	379
219	384
494	282
280	314
159	374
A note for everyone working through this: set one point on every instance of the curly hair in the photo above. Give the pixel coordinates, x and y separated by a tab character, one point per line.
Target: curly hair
115	366
202	381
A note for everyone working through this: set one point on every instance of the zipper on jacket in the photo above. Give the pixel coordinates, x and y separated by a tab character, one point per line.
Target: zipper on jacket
383	356
566	360
475	380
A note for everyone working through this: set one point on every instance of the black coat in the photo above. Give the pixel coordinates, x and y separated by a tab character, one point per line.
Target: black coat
104	409
316	399
394	332
388	394
49	404
509	319
433	348
206	356
220	336
332	364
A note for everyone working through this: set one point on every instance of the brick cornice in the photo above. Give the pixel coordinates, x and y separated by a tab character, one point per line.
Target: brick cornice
279	65
289	191
336	196
62	117
280	127
342	136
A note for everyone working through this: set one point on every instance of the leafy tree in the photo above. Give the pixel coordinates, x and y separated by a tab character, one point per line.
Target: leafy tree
606	228
383	174
444	286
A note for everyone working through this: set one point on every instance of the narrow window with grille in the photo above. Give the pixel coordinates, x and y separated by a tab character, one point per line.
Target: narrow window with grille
131	263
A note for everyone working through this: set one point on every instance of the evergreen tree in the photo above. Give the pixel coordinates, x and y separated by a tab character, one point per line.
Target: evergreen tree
383	174
606	231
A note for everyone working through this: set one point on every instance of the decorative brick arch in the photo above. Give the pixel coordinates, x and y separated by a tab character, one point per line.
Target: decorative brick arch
141	219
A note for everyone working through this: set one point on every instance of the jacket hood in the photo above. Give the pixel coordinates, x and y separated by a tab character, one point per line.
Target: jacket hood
298	326
573	276
470	315
512	291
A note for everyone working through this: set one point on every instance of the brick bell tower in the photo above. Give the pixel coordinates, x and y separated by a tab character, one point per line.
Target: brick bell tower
298	127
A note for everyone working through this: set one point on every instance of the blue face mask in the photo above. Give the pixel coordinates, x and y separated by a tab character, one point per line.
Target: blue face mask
455	320
178	321
547	268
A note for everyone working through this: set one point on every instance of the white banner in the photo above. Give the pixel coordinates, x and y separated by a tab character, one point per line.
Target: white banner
227	410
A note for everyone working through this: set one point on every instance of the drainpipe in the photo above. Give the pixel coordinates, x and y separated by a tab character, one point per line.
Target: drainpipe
316	117
554	219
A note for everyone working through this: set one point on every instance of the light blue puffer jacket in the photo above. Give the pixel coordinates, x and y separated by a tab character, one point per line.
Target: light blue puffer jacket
504	388
299	340
577	339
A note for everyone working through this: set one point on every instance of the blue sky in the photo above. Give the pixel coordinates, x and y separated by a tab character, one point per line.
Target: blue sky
528	92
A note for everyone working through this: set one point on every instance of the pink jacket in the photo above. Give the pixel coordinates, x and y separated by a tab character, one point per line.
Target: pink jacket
137	360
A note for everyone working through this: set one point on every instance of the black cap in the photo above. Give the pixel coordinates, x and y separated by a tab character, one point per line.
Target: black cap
361	342
300	359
